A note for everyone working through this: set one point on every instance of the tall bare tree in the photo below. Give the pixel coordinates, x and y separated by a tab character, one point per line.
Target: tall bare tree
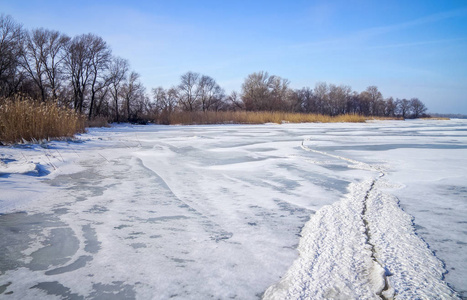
102	101
403	107
32	59
305	100
417	107
99	58
234	102
78	66
255	92
279	94
365	104
321	92
11	46
353	103
165	100
375	98
263	92
165	103
42	59
188	91
118	72
133	95
53	58
338	96
390	107
210	93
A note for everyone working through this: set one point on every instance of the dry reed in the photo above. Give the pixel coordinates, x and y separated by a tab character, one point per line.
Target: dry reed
22	119
246	117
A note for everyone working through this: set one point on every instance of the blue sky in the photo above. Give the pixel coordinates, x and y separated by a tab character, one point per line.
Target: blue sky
406	48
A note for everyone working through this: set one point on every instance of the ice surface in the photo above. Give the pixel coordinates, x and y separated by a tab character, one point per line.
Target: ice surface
218	211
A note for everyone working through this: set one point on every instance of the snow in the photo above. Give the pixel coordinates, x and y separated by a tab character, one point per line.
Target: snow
220	211
362	247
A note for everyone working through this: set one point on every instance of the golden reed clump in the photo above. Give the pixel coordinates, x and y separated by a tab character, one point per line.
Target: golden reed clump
249	117
23	119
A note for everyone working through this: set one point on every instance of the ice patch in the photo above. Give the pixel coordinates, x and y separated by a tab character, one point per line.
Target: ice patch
158	214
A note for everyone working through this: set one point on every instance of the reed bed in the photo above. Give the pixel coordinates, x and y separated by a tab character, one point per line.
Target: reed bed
246	117
25	120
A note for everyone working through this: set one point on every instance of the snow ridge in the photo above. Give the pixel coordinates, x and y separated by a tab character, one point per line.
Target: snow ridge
362	247
380	279
412	270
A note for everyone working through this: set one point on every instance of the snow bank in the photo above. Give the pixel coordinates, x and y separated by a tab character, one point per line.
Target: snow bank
11	166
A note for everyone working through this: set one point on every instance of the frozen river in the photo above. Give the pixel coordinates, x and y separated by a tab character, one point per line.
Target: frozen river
198	212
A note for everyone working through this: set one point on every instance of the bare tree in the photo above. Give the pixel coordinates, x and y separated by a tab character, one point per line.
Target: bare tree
11	36
165	99
365	104
255	92
99	59
160	98
102	100
53	58
234	102
263	92
133	95
374	98
118	71
417	107
188	91
390	107
321	91
166	102
279	94
210	93
403	107
338	96
379	108
172	98
78	66
305	100
353	103
42	59
32	59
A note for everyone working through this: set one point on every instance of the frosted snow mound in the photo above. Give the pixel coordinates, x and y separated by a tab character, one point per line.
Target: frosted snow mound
11	166
414	272
362	247
335	259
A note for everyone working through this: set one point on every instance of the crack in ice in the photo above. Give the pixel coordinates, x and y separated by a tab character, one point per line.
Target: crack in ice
362	247
386	291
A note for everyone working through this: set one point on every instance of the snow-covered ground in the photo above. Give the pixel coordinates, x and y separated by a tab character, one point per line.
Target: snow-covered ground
343	211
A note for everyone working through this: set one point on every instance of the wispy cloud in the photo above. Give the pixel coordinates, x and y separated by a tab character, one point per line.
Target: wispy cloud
360	36
375	31
421	43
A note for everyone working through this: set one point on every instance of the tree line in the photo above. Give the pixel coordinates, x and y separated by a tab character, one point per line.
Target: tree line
262	92
82	73
78	72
